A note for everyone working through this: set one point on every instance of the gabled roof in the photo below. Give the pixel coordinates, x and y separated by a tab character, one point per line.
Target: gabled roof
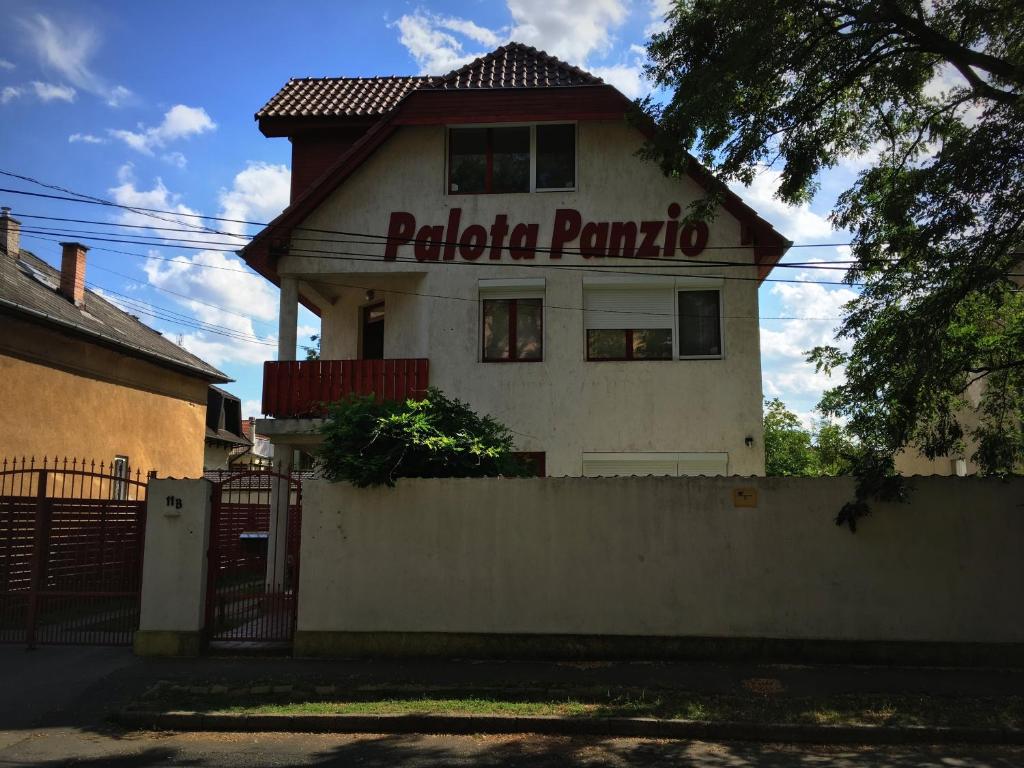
511	66
29	289
517	66
339	96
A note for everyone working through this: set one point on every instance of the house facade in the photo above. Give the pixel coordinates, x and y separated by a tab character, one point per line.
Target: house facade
495	234
82	378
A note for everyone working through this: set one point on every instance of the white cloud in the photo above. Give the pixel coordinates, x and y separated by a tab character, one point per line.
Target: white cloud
784	344
180	122
53	92
215	287
470	29
866	159
118	95
192	226
659	9
258	193
176	159
797	222
252	408
220	350
568	29
948	79
435	51
219	283
5	64
213	278
67	50
628	79
85	138
10	93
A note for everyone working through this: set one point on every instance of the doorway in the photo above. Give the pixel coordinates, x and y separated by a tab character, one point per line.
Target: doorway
373	332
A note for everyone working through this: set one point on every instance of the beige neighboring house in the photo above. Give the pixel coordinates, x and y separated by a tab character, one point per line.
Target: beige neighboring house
493	232
82	378
225	434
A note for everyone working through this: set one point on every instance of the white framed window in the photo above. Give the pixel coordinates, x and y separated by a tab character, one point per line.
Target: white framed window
500	159
688	464
700	327
512	320
653	318
119	478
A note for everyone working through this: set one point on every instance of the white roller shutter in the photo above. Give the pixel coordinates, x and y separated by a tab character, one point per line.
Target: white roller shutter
628	307
512	288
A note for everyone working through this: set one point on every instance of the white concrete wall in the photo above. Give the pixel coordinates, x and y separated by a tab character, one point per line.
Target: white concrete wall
174	561
564	406
664	557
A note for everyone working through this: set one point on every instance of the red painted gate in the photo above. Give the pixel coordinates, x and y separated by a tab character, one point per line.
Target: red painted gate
253	568
71	542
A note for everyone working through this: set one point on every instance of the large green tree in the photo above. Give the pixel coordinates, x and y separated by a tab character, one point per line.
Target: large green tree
931	93
792	450
788	451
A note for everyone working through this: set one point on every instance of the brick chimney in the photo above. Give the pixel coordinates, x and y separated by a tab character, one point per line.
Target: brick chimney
72	272
10	233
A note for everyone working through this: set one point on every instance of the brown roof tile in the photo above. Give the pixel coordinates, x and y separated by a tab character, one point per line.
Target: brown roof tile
511	66
517	66
339	96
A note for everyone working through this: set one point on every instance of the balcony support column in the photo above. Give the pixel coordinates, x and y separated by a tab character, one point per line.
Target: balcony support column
288	319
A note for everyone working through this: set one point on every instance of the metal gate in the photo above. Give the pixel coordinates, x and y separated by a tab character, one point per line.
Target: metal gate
253	571
71	542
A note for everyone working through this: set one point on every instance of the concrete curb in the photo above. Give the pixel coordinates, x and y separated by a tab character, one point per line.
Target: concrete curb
568	726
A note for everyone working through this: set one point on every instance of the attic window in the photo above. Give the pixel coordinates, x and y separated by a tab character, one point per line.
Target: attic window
520	158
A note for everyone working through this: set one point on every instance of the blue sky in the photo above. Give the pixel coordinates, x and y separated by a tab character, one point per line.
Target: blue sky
151	104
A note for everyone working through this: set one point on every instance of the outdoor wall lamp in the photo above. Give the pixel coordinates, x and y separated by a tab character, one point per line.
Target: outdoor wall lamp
749	441
369	295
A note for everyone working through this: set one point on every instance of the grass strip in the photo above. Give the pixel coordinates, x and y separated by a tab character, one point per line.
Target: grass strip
891	710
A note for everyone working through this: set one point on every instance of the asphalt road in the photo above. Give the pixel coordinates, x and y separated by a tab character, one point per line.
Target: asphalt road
52	748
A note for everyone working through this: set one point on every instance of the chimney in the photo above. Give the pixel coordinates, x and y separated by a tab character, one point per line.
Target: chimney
72	272
10	233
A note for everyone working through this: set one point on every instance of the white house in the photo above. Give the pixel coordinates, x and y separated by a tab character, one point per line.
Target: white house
493	232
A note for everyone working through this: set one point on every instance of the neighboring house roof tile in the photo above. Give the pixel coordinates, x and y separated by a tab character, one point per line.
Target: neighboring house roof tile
29	288
511	66
226	436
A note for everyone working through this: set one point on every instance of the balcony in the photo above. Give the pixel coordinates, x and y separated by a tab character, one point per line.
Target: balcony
301	388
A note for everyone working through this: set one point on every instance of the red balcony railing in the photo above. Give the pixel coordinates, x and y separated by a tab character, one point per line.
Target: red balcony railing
300	388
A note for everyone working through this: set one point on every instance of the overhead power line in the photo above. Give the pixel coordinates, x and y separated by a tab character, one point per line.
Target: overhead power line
265	224
661	263
82	197
470	299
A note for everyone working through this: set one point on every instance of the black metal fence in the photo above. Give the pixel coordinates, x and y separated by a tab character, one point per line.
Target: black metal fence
71	541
